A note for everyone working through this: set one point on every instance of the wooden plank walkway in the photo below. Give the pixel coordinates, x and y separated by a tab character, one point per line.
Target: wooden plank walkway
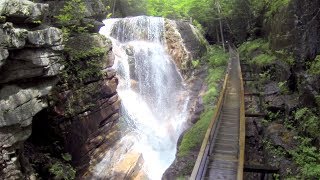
221	154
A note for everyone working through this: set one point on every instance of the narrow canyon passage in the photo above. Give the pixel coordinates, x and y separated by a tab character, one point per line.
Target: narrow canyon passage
154	98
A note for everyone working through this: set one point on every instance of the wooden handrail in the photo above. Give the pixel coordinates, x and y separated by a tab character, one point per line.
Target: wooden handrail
242	125
204	150
202	159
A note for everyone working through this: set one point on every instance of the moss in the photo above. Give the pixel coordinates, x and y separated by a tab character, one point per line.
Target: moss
193	137
263	59
285	56
85	58
216	56
250	48
83	54
2	19
212	80
258	52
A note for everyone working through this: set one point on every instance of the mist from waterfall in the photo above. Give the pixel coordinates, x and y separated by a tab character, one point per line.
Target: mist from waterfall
154	98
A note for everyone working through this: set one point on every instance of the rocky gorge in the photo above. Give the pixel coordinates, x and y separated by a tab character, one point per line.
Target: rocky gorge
58	91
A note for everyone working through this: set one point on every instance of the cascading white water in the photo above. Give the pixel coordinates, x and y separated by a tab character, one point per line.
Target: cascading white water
154	99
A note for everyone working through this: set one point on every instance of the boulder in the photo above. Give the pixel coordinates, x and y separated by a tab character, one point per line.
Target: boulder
194	42
12	38
272	88
18	105
36	64
22	11
88	41
48	37
280	136
94	11
3	19
38	57
129	167
184	44
309	88
3	56
280	71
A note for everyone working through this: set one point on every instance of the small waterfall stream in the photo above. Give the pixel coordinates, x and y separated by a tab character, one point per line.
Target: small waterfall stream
154	98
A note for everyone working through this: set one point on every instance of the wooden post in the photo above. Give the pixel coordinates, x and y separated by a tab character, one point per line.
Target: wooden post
114	7
218	37
221	27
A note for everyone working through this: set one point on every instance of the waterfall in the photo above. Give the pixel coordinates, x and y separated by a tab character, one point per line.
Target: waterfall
154	98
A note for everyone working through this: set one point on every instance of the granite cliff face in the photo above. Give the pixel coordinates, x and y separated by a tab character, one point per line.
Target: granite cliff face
185	44
58	94
296	28
29	66
37	81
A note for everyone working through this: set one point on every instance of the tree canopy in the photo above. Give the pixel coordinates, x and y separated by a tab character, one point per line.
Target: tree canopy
241	18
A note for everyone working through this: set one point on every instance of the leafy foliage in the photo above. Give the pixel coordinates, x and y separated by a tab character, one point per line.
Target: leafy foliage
62	171
275	5
71	16
195	63
82	65
314	66
263	59
257	52
248	48
308	158
216	56
308	122
67	157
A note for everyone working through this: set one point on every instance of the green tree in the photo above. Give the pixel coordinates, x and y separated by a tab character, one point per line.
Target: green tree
71	17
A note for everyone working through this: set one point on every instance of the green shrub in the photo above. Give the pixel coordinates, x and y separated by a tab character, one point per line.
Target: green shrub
248	48
283	87
285	56
308	122
314	66
71	16
263	59
62	171
216	56
94	51
195	63
67	157
275	6
84	64
307	157
258	52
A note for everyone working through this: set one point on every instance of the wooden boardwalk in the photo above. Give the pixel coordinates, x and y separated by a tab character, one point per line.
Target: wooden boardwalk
222	152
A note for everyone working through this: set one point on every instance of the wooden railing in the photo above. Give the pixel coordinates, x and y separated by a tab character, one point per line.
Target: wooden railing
242	125
203	156
202	159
